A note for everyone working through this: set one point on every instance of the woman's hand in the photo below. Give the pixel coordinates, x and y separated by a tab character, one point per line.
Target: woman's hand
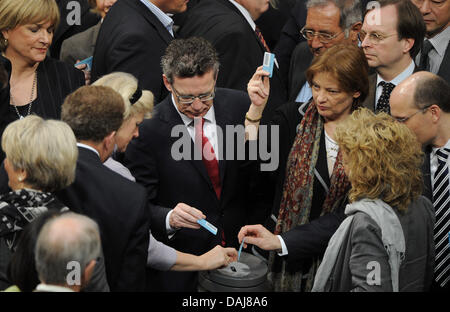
259	236
87	73
258	88
218	257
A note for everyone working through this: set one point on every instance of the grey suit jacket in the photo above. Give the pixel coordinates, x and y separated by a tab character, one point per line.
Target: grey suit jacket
300	61
79	46
363	244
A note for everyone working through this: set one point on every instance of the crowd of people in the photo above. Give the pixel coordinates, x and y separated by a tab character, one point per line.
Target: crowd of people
122	132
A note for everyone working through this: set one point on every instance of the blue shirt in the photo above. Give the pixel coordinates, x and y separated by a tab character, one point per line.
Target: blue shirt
163	17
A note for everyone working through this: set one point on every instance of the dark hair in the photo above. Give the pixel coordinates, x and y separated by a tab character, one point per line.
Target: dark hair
22	267
432	89
347	64
410	22
93	112
188	58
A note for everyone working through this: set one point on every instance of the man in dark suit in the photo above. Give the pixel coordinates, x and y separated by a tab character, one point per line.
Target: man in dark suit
391	36
230	27
166	158
435	53
75	18
118	205
327	24
422	102
132	39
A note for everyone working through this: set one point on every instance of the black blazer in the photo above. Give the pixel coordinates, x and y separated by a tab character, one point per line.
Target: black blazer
444	69
119	206
311	239
240	51
300	61
169	181
55	80
133	40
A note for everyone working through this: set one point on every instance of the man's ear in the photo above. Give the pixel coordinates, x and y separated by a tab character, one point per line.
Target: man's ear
409	43
88	271
435	112
354	30
167	83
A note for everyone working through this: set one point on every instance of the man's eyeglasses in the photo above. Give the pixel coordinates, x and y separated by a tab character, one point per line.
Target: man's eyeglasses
405	119
189	99
375	38
309	34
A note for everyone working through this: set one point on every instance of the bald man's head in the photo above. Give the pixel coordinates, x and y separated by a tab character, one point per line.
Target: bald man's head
419	101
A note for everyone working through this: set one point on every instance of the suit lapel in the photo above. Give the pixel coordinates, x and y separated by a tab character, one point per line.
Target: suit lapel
426	173
369	102
153	20
444	69
321	172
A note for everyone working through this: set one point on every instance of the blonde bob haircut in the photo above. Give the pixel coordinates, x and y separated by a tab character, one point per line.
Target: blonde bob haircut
45	149
382	158
15	13
126	85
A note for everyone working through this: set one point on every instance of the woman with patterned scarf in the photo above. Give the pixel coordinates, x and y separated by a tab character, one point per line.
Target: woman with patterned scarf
311	183
41	158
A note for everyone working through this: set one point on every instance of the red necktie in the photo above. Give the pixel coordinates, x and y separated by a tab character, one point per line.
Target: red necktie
209	158
261	38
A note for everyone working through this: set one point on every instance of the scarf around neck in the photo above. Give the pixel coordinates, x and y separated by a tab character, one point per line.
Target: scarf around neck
296	202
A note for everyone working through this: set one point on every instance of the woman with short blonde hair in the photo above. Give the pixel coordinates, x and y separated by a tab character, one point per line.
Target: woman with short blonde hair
386	241
138	105
41	158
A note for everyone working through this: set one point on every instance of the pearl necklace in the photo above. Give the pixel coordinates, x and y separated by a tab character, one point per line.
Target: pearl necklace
33	88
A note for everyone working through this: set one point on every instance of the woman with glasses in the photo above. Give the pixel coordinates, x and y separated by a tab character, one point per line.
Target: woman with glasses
310	181
386	241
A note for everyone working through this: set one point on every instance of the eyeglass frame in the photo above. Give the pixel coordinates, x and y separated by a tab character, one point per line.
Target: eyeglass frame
405	119
314	33
209	96
377	40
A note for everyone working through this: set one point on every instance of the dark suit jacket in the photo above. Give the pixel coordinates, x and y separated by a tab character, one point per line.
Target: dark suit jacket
132	40
369	102
240	51
120	208
444	69
311	239
79	46
64	30
300	61
169	181
55	80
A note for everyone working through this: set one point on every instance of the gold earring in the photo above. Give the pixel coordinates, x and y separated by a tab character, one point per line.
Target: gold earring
20	179
6	42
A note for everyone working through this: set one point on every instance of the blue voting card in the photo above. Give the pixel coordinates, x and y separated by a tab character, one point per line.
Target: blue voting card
87	61
269	59
207	226
240	249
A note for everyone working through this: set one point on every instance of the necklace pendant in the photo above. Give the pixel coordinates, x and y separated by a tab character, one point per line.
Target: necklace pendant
20	117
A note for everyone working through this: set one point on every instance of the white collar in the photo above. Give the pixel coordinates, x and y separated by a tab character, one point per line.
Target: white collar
402	76
88	147
447	145
245	13
440	41
52	288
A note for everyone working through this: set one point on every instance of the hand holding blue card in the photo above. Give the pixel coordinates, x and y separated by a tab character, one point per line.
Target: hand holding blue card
207	226
87	61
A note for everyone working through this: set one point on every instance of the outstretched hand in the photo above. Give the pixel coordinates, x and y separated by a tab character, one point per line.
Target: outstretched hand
259	236
258	87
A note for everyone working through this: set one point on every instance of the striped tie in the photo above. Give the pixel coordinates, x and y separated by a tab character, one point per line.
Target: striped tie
441	203
261	38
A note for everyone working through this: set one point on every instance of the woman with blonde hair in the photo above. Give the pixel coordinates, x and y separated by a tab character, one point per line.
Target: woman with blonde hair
38	84
138	105
386	241
40	159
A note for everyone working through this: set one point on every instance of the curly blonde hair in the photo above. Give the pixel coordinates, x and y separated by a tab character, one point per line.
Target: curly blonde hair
382	158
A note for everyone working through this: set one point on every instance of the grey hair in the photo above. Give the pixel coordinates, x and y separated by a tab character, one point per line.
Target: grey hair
188	58
350	11
58	245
